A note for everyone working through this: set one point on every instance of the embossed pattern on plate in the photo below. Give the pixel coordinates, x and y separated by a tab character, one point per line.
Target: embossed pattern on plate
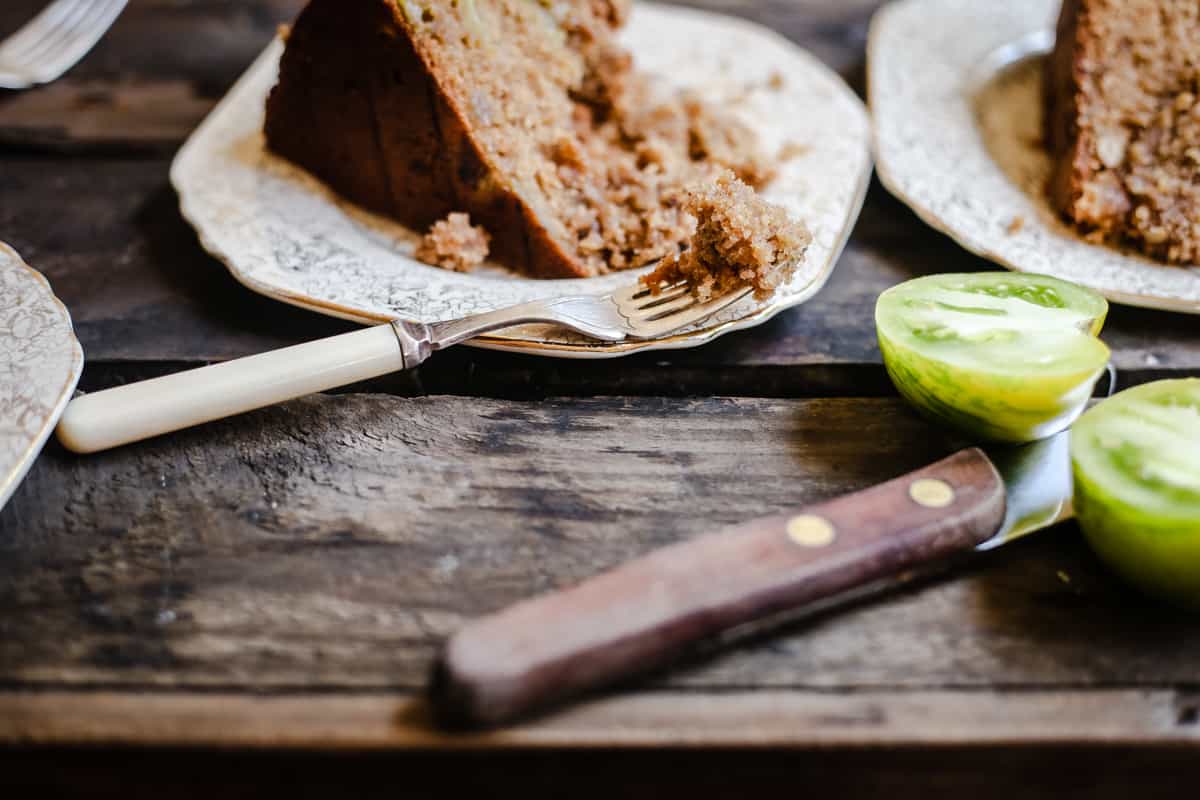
40	363
283	234
963	149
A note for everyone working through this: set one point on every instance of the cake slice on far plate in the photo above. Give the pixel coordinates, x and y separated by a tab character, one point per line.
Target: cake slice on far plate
1123	123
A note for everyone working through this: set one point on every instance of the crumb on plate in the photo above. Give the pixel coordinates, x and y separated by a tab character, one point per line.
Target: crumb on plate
454	243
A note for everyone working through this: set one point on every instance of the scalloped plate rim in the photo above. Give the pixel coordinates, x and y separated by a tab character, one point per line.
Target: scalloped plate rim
598	350
20	468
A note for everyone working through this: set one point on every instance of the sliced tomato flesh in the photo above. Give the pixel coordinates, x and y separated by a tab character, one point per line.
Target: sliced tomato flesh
1142	447
1002	355
1136	459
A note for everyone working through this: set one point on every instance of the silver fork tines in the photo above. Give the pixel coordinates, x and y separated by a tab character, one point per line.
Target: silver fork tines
631	312
54	41
649	316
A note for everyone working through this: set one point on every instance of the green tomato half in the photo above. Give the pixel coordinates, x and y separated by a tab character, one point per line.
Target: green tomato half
999	355
1136	459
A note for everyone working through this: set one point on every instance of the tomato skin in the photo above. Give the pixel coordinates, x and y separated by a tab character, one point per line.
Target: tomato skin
1147	534
1157	556
1023	365
948	395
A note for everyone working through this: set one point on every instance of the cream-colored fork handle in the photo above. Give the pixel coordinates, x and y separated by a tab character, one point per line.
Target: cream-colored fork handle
114	417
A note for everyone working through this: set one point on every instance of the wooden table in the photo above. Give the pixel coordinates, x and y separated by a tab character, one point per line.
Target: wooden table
259	600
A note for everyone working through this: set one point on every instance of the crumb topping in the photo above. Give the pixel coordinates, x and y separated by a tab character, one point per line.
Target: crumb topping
454	243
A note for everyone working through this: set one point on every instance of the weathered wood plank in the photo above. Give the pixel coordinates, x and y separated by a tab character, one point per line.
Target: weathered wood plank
649	720
130	269
141	289
291	550
332	543
80	115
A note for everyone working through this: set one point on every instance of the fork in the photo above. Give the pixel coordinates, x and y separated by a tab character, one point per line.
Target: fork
136	411
54	41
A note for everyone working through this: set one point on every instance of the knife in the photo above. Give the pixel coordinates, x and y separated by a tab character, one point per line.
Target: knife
648	611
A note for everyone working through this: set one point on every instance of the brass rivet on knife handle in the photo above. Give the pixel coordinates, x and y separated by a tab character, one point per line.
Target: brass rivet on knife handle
931	493
809	530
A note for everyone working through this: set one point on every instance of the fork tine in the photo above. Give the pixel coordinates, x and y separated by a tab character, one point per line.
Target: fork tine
695	312
637	291
649	316
45	32
659	311
650	301
34	32
74	38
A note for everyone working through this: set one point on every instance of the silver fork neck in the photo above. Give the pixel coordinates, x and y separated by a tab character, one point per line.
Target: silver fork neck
451	332
416	341
596	317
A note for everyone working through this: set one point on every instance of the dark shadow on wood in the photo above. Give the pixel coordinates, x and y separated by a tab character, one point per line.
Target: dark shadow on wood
1096	773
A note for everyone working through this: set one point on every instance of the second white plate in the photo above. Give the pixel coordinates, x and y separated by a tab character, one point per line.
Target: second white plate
955	92
283	234
40	364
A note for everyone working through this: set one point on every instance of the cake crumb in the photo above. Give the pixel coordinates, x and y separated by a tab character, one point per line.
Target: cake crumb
740	240
1015	225
454	243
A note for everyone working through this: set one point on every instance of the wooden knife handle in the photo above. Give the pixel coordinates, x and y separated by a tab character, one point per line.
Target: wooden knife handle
643	613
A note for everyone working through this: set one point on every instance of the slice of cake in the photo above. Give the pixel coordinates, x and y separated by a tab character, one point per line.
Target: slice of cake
1123	123
524	114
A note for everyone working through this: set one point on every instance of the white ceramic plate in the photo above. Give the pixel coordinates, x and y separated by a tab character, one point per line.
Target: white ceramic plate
283	234
955	96
40	363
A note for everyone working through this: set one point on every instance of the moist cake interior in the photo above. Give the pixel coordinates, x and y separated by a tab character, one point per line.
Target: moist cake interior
1123	123
526	115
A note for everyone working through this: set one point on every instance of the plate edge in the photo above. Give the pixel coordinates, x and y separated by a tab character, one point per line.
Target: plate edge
10	482
896	189
865	169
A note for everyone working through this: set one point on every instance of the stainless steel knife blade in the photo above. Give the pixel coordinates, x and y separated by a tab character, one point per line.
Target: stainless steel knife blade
1037	483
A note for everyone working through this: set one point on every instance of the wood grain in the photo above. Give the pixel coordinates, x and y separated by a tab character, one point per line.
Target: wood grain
333	543
283	580
89	116
657	720
645	613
